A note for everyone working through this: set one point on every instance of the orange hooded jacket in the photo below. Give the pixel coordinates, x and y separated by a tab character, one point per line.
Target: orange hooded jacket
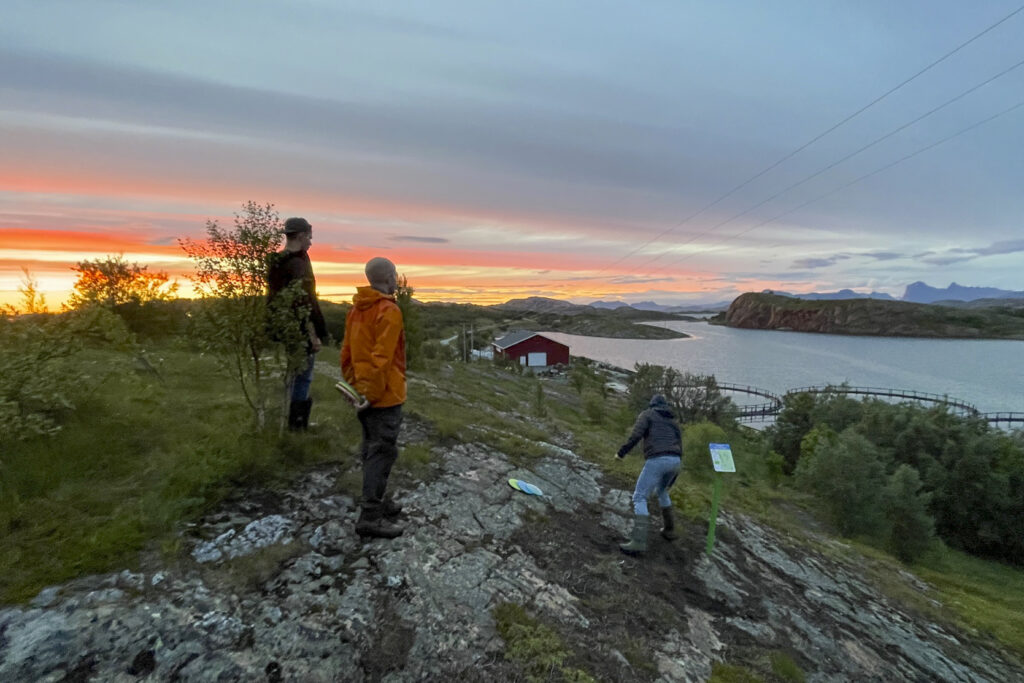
373	351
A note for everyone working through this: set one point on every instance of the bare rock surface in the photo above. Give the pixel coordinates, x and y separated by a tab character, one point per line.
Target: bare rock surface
276	586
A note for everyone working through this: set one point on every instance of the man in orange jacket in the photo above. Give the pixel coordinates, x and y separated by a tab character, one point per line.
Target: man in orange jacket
373	361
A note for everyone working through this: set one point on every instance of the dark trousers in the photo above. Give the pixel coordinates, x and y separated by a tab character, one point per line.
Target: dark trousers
379	452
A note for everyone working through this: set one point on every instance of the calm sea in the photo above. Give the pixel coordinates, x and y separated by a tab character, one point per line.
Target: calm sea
986	373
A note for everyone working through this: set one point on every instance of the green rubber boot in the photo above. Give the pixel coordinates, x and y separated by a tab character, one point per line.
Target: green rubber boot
638	538
668	529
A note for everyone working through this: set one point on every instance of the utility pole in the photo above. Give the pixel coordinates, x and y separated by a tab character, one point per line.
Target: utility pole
471	339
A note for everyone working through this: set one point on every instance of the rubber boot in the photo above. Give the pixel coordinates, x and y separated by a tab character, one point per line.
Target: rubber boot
391	509
304	409
295	420
638	538
372	524
668	529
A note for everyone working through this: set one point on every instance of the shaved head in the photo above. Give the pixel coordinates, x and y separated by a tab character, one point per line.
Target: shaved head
382	275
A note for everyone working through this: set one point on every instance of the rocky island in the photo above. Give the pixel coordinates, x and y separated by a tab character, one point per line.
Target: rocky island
765	311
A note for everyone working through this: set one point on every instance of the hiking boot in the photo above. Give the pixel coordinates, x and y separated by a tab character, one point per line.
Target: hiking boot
390	508
373	525
295	411
668	529
638	538
298	415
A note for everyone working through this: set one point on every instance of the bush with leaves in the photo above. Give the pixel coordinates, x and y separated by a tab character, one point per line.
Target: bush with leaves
411	322
693	397
848	476
38	371
911	529
257	344
696	454
112	281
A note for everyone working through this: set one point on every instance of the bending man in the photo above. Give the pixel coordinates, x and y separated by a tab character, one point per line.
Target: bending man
373	361
663	450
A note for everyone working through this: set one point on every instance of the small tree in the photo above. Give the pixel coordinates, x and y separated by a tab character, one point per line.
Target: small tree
411	320
253	341
112	281
847	474
694	397
911	528
696	455
32	301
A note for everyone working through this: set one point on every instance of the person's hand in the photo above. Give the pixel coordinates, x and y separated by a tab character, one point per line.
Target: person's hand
316	343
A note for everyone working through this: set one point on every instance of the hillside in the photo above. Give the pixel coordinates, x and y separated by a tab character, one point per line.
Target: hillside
872	317
489	584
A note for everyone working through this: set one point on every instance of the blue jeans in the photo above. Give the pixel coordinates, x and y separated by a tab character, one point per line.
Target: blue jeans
657	476
302	380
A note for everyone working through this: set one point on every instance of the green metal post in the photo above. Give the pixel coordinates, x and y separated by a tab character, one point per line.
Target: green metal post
715	496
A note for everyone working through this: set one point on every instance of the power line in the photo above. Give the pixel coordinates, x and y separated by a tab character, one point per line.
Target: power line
847	157
816	138
849	184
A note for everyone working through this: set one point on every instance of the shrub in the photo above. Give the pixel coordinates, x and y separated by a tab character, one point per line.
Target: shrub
696	456
692	397
594	407
37	369
911	528
849	479
112	281
254	342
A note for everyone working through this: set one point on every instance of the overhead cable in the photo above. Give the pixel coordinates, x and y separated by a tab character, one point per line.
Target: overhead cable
816	138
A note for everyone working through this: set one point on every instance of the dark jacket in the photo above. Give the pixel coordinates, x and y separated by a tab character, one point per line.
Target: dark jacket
288	266
658	428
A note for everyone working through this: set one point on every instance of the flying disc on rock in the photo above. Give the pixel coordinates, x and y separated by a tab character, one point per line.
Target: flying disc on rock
525	487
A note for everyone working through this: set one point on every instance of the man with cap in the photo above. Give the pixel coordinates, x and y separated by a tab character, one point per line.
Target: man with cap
663	450
373	361
291	265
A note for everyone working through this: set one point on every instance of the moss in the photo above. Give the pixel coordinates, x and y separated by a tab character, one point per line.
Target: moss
730	673
536	648
785	668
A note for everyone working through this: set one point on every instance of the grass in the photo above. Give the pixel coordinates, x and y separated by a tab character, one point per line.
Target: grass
536	648
145	452
988	597
141	454
731	673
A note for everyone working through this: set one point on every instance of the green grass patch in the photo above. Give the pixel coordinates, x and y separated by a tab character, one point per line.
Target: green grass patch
414	461
731	673
785	668
140	454
987	597
537	649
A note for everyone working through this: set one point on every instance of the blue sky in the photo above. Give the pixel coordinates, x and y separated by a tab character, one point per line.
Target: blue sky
497	150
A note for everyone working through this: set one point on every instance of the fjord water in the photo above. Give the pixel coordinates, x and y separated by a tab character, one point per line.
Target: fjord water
986	373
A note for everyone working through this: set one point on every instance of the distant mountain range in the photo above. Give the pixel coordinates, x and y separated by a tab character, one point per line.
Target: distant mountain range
831	296
661	308
918	292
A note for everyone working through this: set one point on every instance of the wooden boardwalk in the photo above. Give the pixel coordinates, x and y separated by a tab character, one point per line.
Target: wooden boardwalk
763	411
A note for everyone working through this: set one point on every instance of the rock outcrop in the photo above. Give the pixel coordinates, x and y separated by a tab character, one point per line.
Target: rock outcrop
868	317
277	587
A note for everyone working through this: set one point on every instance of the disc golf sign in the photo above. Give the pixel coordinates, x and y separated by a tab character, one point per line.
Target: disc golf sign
721	459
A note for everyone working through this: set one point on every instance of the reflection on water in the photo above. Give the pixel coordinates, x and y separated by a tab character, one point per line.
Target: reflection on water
987	373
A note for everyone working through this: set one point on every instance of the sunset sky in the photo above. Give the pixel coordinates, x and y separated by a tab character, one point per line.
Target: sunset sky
578	150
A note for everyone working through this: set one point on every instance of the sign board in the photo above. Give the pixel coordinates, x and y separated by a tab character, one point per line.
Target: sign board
721	457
